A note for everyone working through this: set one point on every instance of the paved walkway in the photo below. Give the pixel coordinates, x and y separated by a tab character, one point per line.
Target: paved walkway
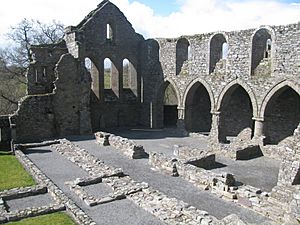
123	212
60	170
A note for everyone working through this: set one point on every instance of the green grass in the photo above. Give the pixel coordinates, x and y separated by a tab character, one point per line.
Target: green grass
59	218
12	174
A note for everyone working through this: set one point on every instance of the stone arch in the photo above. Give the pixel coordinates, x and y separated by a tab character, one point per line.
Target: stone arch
216	47
281	111
207	87
261	61
246	88
159	111
236	108
182	53
198	102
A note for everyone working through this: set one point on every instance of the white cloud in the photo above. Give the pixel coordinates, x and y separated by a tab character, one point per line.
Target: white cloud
193	17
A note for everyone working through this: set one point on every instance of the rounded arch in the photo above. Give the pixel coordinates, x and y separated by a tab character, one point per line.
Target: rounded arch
207	87
274	90
262	47
246	88
216	50
182	53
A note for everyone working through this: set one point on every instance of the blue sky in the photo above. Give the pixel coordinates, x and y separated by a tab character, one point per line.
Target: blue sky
161	7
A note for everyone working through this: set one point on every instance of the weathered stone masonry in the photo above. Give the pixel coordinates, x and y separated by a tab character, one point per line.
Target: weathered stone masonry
223	82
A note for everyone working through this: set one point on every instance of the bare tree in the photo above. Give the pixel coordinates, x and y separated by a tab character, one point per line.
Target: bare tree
15	59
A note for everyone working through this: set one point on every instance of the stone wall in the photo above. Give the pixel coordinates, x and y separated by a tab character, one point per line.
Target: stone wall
126	146
238	89
5	132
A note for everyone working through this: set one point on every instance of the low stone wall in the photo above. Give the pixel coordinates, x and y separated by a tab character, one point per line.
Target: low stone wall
162	163
126	146
121	187
200	177
62	202
169	210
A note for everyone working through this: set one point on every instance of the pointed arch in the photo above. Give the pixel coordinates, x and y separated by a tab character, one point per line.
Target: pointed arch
207	87
236	111
276	88
246	88
281	112
198	102
158	111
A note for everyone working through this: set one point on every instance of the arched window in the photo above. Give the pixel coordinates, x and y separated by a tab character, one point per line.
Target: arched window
109	32
182	53
107	73
126	73
93	70
129	76
218	50
261	49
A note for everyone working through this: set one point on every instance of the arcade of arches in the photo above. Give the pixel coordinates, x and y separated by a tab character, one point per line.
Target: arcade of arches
281	117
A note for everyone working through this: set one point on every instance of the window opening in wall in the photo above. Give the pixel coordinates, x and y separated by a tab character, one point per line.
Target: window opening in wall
130	77
107	73
44	71
218	50
109	32
88	64
182	53
36	76
261	53
268	48
224	50
126	73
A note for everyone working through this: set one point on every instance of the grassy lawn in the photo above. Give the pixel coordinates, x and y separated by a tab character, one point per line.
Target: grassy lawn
12	174
59	218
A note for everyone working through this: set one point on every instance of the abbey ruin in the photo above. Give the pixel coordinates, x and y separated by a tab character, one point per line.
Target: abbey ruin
238	90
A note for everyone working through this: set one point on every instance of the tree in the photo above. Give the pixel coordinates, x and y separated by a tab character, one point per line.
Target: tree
14	60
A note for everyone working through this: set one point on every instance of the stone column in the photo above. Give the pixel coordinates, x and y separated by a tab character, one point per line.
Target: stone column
214	132
259	130
258	126
180	121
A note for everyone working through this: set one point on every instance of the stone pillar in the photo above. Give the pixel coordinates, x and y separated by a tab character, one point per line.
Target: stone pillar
258	127
180	121
214	132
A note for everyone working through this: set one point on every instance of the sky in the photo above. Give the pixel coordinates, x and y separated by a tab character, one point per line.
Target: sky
159	18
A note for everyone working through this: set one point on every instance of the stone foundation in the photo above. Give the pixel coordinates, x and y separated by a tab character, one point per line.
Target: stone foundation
127	147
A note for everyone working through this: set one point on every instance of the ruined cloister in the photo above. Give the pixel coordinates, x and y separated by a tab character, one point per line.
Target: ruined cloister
214	98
